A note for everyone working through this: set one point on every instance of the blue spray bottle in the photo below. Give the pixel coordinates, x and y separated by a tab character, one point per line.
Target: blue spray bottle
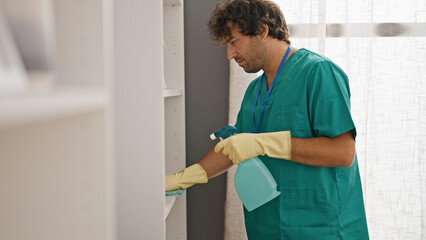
253	181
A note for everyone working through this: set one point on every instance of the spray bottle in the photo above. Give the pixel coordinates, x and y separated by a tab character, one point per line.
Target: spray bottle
253	181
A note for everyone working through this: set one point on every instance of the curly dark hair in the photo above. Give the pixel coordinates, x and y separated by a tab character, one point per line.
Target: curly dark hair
249	16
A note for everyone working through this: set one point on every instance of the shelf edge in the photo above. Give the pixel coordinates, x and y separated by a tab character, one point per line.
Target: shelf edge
172	93
170	201
32	108
172	3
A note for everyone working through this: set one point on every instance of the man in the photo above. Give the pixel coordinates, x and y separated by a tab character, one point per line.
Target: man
296	118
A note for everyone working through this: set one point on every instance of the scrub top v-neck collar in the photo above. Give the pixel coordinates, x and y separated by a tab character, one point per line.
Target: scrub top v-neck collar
289	63
256	126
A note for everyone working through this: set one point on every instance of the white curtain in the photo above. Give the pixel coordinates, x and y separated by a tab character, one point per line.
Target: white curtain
381	45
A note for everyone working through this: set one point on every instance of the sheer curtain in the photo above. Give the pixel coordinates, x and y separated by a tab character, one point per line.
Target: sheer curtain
381	45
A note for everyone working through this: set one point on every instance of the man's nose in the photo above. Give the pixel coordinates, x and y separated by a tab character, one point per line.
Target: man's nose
230	52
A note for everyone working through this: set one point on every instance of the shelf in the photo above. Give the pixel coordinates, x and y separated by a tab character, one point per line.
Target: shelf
172	3
170	201
172	93
32	107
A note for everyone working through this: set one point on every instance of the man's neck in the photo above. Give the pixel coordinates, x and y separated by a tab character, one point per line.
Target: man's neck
276	51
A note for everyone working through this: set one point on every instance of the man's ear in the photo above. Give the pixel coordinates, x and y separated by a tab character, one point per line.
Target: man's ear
263	30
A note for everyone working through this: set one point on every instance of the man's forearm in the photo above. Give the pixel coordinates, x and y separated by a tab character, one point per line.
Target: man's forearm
320	151
323	151
215	163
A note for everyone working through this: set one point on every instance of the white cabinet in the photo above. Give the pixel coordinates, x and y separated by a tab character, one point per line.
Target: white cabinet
86	157
148	46
56	166
174	108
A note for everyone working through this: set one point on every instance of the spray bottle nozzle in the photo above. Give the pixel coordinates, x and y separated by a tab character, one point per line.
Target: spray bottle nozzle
223	133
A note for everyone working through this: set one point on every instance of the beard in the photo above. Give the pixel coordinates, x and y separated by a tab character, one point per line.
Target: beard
254	59
251	68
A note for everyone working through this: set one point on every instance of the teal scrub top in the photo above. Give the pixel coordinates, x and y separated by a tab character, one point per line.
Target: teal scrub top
311	99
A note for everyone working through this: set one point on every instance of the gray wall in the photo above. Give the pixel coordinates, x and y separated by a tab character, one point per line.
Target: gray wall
206	96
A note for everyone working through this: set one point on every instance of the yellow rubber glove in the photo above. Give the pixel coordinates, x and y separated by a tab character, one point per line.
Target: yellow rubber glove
243	146
186	178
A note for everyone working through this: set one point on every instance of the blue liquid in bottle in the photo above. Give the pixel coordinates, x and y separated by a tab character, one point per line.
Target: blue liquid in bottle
254	183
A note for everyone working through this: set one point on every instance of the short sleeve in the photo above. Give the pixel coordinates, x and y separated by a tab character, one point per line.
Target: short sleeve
238	124
329	100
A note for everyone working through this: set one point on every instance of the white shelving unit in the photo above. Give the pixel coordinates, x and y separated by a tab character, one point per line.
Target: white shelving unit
85	157
174	108
148	48
56	159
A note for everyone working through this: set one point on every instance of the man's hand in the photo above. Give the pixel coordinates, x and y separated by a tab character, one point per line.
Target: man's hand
241	147
186	178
